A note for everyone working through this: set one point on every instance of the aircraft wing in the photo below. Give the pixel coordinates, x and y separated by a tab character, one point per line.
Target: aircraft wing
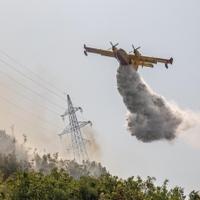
152	60
98	51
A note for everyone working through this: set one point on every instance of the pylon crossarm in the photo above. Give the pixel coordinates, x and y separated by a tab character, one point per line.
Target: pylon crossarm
84	123
75	109
69	129
65	131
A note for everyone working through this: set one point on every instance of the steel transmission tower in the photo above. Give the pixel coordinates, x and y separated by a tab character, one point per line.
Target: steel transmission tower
74	129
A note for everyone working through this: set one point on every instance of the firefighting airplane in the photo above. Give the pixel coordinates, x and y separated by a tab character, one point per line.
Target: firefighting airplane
135	58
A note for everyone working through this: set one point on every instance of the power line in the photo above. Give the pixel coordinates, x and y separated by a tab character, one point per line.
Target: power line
21	108
29	78
28	121
28	88
31	90
31	100
32	72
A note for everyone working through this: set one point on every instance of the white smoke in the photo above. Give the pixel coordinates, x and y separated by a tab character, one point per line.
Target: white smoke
150	116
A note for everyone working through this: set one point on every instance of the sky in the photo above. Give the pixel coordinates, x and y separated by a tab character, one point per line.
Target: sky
47	38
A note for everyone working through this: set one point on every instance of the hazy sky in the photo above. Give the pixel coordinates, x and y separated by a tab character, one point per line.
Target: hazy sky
48	36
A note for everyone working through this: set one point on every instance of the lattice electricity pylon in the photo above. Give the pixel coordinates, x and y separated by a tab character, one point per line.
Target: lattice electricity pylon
74	129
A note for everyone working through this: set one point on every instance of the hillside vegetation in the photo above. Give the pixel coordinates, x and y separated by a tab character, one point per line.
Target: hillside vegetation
59	185
48	177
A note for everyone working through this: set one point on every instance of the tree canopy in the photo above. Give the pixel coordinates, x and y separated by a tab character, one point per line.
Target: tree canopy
59	185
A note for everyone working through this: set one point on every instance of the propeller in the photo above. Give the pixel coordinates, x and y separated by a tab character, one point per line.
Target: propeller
134	49
113	45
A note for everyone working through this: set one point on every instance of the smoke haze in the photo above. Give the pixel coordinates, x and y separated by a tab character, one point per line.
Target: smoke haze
15	156
92	145
150	117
